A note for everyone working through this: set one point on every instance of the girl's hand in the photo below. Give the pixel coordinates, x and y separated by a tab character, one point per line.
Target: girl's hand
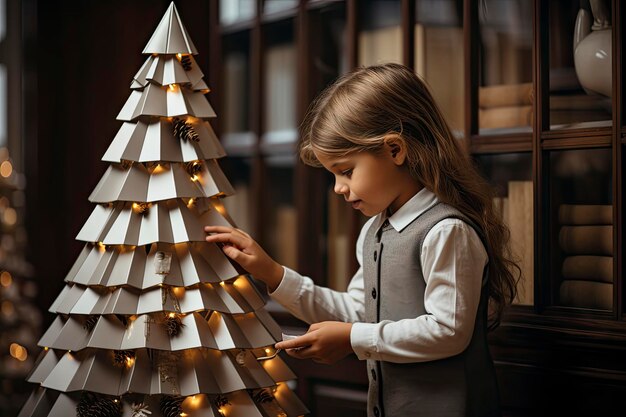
241	248
325	342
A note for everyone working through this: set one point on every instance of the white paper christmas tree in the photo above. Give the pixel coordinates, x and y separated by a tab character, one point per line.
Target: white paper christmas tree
154	321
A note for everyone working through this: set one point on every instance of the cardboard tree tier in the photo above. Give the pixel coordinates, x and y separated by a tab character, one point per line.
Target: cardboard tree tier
153	320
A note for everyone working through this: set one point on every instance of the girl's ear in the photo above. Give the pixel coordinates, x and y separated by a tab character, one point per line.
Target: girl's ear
396	146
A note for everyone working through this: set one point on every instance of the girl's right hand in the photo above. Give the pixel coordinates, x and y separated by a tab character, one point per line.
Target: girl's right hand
241	248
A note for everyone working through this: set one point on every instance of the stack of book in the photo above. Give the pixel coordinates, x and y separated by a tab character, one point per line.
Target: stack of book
516	211
280	83
380	45
586	238
505	106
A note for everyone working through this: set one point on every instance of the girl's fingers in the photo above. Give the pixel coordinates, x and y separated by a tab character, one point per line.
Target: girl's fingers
303	341
237	255
236	240
218	229
303	353
226	229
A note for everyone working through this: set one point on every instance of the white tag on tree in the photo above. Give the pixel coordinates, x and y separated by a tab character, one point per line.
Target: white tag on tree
162	262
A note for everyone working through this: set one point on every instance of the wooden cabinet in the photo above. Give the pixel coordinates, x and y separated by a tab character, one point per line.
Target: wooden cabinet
534	90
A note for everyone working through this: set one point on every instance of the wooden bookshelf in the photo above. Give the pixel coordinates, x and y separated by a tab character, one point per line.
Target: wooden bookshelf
550	356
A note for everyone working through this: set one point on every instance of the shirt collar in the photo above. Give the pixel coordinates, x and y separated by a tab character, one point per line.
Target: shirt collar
411	210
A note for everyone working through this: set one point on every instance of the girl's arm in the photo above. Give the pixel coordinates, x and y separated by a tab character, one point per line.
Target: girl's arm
453	259
298	294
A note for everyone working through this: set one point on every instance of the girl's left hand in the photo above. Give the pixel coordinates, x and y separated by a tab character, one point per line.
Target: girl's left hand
325	342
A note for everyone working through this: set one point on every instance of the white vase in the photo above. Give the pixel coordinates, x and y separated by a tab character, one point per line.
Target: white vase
592	49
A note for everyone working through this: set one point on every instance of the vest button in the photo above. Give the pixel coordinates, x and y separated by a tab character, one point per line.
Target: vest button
374	293
376	411
375	256
374	374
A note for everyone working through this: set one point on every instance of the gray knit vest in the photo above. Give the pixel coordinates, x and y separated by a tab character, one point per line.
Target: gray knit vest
459	386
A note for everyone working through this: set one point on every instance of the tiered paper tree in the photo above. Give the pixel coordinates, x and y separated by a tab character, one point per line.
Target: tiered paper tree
154	321
20	318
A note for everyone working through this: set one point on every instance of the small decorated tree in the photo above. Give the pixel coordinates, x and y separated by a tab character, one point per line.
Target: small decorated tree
20	319
154	321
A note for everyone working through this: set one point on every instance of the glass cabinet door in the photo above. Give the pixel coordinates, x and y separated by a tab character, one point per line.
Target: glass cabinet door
278	141
280	231
580	64
236	83
505	44
380	34
439	56
279	73
511	175
239	206
233	11
580	229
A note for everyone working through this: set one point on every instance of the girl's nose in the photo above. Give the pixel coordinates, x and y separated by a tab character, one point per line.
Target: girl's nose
341	188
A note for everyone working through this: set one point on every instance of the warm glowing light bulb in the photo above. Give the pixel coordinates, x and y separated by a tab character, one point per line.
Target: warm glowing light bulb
222	283
171	315
219	206
195	178
6	169
172	87
6	279
7	308
10	216
18	351
267	350
179	56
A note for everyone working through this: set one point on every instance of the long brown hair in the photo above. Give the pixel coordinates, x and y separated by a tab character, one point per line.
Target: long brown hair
355	114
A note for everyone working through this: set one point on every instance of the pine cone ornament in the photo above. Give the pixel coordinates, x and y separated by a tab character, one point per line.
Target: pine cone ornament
173	324
141	208
94	405
90	323
171	406
262	396
185	60
184	131
123	319
221	401
122	357
194	168
140	410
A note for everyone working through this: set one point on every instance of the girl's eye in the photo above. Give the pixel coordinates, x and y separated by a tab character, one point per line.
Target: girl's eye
347	173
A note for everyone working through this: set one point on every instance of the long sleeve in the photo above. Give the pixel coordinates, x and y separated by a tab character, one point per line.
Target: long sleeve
313	303
453	259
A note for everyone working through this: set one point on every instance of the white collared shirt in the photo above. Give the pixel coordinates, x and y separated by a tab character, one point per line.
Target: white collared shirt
452	258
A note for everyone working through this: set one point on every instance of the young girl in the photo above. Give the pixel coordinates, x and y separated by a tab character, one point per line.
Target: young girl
432	256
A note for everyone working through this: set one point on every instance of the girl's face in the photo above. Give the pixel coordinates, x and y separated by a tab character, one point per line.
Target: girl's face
371	182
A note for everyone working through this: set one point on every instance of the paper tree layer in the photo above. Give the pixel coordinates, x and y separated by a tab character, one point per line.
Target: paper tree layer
154	321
